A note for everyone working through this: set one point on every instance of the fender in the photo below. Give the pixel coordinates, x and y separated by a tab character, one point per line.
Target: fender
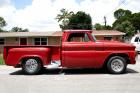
32	56
124	53
15	55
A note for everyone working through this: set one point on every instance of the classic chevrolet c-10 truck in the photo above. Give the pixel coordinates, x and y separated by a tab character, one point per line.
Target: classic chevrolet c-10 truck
78	49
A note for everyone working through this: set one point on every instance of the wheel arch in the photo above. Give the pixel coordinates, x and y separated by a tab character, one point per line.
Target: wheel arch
124	55
23	58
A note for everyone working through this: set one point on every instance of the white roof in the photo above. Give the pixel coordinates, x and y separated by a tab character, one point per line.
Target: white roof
25	34
58	33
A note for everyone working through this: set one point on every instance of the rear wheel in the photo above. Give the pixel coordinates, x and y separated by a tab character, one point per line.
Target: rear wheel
31	66
116	65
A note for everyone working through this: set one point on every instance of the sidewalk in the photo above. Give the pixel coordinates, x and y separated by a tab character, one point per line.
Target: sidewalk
7	69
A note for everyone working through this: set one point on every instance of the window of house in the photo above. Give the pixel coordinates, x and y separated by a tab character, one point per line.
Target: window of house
78	37
40	41
108	38
2	41
23	41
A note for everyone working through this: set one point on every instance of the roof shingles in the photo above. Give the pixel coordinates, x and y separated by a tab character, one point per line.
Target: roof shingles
107	32
56	33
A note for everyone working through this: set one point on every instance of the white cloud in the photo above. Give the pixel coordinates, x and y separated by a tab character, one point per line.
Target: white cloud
4	3
133	5
40	15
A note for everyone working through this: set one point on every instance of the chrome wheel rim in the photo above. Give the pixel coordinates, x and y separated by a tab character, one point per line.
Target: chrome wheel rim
117	65
31	65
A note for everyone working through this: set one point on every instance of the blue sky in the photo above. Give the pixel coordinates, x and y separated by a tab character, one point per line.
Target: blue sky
19	4
39	15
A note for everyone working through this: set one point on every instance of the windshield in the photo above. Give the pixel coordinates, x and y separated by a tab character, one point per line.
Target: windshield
94	37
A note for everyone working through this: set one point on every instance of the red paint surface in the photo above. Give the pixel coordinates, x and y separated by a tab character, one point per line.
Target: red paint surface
72	54
14	54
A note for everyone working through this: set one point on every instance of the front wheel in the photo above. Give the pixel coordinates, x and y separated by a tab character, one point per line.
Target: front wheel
116	65
31	66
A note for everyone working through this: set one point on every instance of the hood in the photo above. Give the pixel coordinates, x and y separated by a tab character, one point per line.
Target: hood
116	45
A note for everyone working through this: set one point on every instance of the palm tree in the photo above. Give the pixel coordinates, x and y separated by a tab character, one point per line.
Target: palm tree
63	17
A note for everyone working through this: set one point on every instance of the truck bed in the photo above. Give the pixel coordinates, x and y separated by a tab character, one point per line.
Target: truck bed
13	54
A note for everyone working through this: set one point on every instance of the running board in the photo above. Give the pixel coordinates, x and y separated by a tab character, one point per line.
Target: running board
53	65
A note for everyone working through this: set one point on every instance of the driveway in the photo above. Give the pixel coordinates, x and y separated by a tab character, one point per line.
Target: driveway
70	81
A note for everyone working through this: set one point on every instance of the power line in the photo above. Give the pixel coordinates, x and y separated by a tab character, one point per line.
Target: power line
135	7
120	3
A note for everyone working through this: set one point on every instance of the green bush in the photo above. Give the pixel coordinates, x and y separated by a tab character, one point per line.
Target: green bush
1	59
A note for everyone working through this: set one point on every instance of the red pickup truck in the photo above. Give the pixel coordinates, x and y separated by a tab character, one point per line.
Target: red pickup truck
79	49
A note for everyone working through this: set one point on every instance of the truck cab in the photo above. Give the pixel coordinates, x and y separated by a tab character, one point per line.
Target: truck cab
78	49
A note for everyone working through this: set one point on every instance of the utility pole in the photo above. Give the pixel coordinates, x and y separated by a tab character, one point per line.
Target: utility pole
105	20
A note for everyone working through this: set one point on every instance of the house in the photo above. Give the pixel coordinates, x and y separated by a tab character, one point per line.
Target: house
49	38
109	35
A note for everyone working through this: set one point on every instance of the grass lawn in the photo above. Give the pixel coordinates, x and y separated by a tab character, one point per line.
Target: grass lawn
1	59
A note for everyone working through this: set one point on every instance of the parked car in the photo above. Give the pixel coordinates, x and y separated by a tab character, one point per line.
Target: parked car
79	49
136	42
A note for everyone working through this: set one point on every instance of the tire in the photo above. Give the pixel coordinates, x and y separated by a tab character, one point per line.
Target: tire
116	65
31	66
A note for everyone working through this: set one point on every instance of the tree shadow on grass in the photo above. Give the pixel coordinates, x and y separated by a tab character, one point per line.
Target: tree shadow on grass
73	72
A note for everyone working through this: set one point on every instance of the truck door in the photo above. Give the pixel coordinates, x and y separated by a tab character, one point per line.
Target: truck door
78	51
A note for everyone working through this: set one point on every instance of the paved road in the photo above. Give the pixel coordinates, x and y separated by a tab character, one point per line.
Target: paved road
70	81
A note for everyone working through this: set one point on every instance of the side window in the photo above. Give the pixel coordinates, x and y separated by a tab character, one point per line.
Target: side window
86	38
136	39
78	37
